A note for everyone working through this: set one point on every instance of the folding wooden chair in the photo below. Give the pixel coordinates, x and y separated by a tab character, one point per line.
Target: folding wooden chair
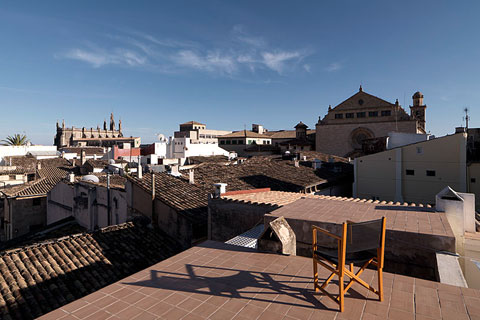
360	243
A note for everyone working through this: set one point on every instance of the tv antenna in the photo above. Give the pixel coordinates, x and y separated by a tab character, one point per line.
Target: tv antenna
466	118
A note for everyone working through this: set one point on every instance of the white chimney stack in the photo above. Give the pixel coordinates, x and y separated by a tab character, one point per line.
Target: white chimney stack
220	188
71	178
191	177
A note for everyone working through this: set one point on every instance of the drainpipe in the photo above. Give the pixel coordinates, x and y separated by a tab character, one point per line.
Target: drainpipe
109	213
398	175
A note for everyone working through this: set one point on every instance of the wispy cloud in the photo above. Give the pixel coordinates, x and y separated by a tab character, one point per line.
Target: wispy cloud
277	60
242	52
98	58
334	66
307	67
212	61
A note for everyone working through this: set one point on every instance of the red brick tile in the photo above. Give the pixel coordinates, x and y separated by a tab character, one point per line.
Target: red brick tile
99	315
72	307
222	314
160	308
146	303
86	311
116	307
54	315
251	311
205	310
396	314
129	313
174	314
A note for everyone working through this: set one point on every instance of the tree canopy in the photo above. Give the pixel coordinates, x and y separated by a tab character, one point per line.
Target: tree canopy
15	140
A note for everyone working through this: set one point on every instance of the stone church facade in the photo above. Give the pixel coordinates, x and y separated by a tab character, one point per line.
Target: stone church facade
364	116
72	137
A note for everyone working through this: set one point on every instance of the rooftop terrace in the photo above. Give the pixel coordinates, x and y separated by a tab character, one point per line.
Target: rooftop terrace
220	281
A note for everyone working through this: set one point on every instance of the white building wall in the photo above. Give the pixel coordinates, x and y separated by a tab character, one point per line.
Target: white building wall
182	148
398	139
8	151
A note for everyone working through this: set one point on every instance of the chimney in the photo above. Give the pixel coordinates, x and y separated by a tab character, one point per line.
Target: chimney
220	188
191	178
297	163
139	171
83	157
39	165
459	130
71	178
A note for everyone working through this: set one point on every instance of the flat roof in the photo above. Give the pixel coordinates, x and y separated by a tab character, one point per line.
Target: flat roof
399	217
219	281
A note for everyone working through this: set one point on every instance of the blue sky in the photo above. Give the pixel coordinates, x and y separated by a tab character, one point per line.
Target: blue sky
230	63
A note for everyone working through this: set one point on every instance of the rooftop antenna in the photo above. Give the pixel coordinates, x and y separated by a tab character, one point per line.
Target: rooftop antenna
466	118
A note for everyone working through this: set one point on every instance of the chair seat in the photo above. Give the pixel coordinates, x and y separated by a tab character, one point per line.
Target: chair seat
354	257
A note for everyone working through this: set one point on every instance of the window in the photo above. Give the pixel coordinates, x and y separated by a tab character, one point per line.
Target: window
228	141
339	116
222	141
240	142
386	113
234	141
410	172
360	102
473	180
373	113
419	150
148	160
12	177
349	115
430	173
361	114
37	201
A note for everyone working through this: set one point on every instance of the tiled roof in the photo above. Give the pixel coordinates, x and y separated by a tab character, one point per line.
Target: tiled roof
220	281
312	155
97	163
36	279
30	163
193	122
89	151
48	177
14	170
185	198
243	134
116	181
261	172
285	134
201	159
280	198
412	218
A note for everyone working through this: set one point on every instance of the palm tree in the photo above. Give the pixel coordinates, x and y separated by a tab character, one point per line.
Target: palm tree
15	140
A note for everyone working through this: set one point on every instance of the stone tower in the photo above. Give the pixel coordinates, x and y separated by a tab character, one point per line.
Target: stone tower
417	111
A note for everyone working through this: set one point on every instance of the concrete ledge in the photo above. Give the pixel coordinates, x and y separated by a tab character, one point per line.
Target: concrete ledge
449	271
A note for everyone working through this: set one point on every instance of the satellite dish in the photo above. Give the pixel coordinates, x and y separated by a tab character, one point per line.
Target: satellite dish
90	178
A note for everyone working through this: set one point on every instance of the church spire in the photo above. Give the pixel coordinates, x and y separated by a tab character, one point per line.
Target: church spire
112	122
360	89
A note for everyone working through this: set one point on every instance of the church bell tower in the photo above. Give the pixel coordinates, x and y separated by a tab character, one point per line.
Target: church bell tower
417	111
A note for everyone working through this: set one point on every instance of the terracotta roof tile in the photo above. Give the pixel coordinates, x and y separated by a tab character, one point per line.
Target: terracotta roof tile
243	134
185	198
38	278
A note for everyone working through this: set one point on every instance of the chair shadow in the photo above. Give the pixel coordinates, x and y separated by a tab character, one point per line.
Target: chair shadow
238	284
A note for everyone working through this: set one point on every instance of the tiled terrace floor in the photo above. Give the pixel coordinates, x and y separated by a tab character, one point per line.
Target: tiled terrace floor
220	281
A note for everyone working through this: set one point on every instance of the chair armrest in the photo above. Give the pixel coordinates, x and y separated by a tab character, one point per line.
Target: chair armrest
326	232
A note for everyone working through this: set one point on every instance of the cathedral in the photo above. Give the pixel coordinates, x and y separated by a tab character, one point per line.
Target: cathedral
363	116
73	137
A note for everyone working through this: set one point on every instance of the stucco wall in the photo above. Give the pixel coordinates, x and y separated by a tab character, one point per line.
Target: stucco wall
23	215
59	203
336	138
228	219
379	175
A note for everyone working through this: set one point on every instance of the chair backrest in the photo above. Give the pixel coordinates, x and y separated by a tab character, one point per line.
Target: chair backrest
364	235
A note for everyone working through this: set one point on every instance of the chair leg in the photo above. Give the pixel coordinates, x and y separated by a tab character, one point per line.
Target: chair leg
351	267
341	290
315	276
380	283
